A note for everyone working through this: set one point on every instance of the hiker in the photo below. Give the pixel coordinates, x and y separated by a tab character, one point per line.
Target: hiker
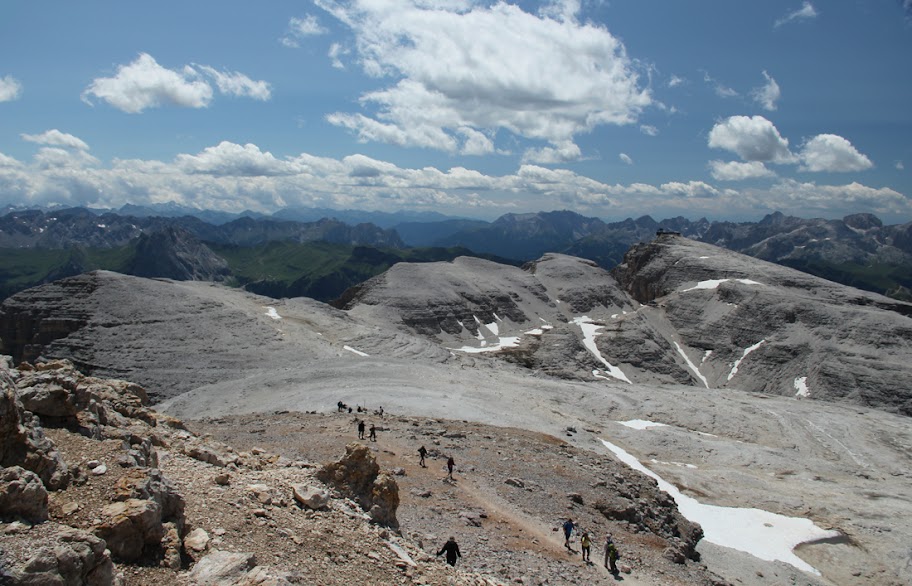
585	544
611	555
340	406
451	550
381	411
451	463
373	433
568	530
360	429
422	452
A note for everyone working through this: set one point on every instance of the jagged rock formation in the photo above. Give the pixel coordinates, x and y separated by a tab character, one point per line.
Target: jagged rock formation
357	474
174	253
761	327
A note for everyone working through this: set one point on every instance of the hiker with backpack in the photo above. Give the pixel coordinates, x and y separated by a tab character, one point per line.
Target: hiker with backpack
611	555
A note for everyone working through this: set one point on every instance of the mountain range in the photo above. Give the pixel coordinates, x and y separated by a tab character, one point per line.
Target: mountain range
857	250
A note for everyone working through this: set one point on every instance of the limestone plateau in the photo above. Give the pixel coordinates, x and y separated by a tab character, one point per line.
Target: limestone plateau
775	389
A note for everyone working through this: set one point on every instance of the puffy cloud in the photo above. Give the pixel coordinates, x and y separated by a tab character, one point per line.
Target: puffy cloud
299	28
53	158
230	159
829	152
459	66
10	89
691	189
238	84
806	12
752	139
145	84
768	94
625	158
899	164
561	153
56	138
735	171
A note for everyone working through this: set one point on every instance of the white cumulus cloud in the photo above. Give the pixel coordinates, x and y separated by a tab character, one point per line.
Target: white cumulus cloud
145	84
10	88
57	139
624	157
456	66
737	171
751	138
230	159
768	94
833	153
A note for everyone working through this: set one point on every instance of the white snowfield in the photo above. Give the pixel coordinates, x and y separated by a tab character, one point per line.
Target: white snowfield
271	312
762	534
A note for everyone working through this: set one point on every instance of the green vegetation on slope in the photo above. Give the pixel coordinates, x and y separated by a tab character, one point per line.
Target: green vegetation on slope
22	268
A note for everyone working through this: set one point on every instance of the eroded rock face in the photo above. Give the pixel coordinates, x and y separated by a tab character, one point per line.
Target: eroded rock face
357	475
638	501
77	558
22	495
132	528
22	441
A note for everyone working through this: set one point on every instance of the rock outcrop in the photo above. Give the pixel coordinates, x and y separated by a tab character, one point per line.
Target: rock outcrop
358	476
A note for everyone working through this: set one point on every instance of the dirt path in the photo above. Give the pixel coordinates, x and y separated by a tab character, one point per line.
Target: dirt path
504	531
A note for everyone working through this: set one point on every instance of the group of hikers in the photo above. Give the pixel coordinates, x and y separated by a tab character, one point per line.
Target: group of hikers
451	548
610	549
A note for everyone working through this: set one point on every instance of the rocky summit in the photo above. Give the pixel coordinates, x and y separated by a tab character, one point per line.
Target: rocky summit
658	402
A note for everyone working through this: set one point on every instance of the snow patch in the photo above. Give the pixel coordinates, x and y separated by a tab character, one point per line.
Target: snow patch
714	284
801	387
503	342
693	367
678	464
762	534
641	424
738	362
271	312
590	331
353	351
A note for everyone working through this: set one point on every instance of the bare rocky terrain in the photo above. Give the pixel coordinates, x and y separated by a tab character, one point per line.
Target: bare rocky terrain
249	369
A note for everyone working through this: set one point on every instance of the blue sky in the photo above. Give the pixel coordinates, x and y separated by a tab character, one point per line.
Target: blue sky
615	108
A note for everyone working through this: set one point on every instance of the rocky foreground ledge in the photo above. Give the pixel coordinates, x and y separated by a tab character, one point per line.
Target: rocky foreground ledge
97	488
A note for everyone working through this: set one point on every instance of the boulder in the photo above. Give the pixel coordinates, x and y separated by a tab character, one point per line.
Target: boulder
131	527
73	558
224	568
357	475
384	501
197	540
310	496
22	495
151	484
